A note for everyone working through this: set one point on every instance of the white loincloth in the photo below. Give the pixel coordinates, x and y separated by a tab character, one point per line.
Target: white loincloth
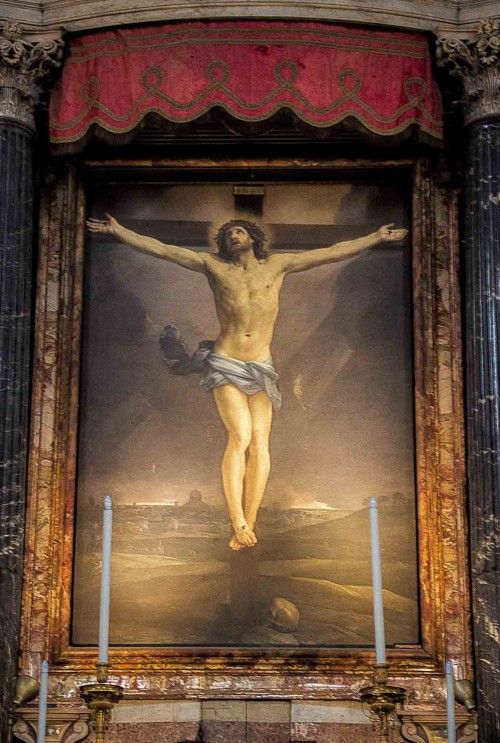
249	376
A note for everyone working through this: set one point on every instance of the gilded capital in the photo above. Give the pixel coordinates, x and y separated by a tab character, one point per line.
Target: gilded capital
24	68
477	62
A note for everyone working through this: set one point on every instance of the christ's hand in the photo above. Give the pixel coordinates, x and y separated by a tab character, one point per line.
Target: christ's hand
388	234
107	226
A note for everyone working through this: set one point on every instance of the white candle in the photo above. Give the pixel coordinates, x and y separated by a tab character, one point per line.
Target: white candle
450	701
42	703
107	528
378	606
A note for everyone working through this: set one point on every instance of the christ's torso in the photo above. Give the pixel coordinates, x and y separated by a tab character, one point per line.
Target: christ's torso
247	305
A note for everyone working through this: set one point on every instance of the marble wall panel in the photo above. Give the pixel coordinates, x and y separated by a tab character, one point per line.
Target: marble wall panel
325	732
241	721
151	732
237	732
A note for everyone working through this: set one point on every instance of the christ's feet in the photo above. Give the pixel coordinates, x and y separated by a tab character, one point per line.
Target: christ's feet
234	544
243	536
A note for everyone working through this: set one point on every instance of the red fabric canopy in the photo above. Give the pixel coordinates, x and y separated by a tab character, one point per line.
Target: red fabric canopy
323	73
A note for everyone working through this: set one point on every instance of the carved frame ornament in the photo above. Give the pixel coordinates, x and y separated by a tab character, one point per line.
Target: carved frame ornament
432	727
171	672
477	62
63	726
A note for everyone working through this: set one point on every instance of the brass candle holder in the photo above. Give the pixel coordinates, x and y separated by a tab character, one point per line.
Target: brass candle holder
100	698
383	701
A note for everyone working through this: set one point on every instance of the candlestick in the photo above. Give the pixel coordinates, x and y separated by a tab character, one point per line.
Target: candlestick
378	605
100	698
450	701
42	703
107	528
383	701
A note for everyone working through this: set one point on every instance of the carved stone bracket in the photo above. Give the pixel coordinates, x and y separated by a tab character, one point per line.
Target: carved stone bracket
477	62
24	67
63	726
431	727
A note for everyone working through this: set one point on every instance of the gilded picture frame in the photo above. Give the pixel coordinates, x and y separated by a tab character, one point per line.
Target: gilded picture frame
198	671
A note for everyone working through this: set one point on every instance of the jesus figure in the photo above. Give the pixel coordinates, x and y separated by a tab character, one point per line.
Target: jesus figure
246	281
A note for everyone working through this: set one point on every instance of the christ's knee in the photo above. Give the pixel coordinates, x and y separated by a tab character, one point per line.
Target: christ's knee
259	444
239	441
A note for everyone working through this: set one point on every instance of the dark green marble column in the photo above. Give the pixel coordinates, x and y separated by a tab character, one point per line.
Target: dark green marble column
482	347
21	68
16	239
477	61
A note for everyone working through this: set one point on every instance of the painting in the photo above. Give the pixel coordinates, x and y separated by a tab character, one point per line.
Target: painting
189	570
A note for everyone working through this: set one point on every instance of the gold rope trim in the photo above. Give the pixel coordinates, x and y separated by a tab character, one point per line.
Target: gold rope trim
332	122
205	32
219	85
259	117
327	38
246	42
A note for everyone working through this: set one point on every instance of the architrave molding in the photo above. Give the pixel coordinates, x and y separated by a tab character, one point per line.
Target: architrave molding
449	16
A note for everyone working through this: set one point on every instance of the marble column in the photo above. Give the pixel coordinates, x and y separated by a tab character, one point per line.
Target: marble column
477	62
23	65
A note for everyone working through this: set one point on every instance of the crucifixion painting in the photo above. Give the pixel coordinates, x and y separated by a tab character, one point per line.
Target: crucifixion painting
246	279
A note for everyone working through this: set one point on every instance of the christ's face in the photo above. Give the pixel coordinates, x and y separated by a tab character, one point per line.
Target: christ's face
238	240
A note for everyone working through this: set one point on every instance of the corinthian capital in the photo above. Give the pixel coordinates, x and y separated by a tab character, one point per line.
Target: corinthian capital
477	62
24	67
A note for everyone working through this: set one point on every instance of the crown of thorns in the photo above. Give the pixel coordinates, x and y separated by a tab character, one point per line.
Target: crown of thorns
257	235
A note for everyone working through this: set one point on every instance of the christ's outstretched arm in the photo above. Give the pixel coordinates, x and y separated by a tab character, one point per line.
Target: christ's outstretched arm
181	256
307	259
